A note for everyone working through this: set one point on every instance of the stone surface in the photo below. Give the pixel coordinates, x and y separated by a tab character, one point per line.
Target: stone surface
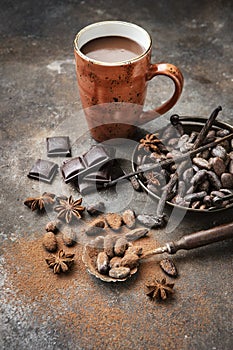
39	99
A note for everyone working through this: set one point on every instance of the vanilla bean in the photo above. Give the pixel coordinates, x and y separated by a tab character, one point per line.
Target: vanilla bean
206	128
167	162
162	201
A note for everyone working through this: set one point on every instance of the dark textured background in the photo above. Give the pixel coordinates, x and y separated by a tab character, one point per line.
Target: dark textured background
39	98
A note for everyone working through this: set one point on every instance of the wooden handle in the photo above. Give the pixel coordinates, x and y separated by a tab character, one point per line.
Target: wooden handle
202	238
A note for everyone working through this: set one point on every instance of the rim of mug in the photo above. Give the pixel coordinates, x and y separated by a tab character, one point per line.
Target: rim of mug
117	63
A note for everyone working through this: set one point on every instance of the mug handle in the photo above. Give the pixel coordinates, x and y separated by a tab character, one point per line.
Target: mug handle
171	72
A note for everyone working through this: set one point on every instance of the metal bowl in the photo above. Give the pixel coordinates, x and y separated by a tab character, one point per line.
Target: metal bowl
189	124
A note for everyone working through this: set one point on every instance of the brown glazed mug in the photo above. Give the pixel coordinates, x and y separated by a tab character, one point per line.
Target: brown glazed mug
113	93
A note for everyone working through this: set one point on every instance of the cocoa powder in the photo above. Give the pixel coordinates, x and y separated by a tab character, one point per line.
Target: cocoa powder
91	312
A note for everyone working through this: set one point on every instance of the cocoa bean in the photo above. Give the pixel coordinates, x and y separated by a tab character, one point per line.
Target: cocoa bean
95	227
98	242
102	263
214	180
205	154
109	242
120	246
218	165
168	266
115	262
207	200
199	177
204	186
231	167
137	233
201	163
227	180
119	272
210	136
222	132
95	209
195	196
130	260
114	220
128	218
219	151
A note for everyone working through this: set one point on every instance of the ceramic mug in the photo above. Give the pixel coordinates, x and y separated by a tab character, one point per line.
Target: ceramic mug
113	93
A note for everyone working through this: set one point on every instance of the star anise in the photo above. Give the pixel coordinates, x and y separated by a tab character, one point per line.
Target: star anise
151	178
47	199
61	262
149	143
69	209
159	289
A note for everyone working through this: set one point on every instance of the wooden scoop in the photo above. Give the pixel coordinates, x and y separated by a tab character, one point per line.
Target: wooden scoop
187	242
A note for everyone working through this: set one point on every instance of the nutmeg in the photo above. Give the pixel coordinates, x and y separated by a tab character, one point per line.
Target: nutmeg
69	237
50	241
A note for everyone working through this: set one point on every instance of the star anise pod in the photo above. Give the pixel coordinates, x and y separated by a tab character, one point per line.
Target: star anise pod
69	209
151	178
61	262
149	143
47	199
159	289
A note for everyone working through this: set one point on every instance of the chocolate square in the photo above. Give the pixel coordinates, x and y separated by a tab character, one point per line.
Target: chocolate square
58	146
90	161
43	170
71	169
95	155
96	179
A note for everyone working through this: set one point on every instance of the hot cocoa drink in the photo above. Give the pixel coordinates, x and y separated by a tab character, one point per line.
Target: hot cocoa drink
113	68
112	49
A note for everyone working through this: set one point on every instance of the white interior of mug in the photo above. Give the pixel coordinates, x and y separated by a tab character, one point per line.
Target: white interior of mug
113	28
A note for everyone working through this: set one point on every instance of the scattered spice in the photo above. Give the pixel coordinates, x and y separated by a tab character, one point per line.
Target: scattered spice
168	266
50	242
40	203
61	262
69	209
159	289
149	143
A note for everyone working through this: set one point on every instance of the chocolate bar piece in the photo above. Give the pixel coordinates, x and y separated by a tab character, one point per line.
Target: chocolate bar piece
58	146
43	170
95	180
90	161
